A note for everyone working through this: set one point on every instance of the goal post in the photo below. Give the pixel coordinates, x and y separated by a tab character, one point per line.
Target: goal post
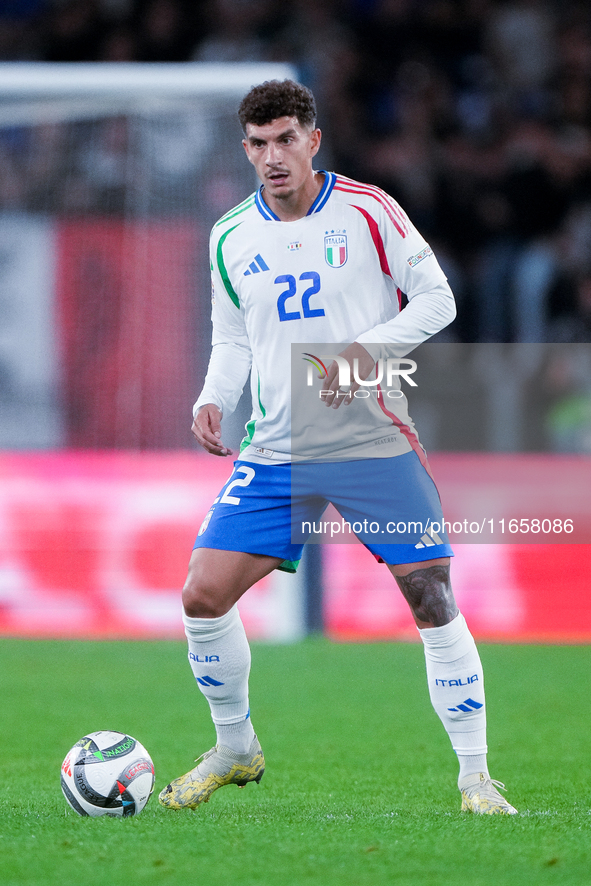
123	87
113	174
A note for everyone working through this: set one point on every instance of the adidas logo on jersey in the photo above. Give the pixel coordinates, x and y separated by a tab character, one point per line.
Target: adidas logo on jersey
255	267
429	538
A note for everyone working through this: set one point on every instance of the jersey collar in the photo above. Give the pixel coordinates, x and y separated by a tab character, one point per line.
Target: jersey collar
320	201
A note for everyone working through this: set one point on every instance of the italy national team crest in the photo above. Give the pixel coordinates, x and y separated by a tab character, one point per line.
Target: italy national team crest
335	249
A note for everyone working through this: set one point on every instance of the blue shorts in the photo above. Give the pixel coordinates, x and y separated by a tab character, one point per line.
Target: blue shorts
390	504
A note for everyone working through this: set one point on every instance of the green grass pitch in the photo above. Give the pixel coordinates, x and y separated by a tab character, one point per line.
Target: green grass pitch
360	781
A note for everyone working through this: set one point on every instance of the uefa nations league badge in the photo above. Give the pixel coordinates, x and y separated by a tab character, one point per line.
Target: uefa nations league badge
335	249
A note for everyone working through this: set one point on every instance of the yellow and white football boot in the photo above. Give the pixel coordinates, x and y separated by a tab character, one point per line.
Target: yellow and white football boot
218	767
480	795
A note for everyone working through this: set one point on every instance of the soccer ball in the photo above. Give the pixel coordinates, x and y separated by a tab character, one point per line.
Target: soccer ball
107	773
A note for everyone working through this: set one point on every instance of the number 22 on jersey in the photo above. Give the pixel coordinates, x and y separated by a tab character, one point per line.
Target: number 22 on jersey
292	291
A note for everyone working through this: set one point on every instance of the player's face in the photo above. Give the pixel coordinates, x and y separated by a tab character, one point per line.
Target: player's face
282	152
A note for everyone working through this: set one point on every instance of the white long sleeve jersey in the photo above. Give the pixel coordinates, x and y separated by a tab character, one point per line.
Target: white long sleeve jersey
336	275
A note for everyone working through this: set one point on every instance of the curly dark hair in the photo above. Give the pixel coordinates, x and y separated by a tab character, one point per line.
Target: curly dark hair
277	98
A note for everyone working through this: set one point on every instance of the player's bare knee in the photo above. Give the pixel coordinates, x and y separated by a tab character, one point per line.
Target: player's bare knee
429	594
200	603
200	598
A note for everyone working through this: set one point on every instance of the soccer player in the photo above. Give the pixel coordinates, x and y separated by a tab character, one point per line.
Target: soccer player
315	257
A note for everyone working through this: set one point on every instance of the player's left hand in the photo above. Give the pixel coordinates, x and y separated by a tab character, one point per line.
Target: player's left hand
366	364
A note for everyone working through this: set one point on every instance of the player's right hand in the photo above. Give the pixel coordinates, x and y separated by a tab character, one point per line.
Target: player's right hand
207	430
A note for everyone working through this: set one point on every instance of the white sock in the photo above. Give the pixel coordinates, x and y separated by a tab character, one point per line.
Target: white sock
456	688
219	656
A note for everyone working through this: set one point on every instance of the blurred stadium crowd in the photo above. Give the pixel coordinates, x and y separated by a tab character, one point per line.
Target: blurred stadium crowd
475	115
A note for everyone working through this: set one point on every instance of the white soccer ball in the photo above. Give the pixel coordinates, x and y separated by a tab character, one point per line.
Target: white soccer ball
107	773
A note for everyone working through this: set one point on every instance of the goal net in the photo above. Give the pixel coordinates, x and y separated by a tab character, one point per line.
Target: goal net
112	175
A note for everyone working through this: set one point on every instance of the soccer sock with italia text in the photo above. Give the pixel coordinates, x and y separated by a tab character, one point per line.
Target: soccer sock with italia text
219	656
456	688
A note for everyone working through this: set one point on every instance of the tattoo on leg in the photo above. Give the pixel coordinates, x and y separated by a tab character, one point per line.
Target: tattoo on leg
428	593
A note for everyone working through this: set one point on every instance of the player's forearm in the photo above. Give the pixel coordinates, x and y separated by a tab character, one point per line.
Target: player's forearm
227	373
425	314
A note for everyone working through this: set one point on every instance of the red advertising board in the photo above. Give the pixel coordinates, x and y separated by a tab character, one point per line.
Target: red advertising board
97	544
513	593
519	587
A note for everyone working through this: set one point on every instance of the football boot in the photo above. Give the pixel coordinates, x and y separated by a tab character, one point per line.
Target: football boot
480	795
218	767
